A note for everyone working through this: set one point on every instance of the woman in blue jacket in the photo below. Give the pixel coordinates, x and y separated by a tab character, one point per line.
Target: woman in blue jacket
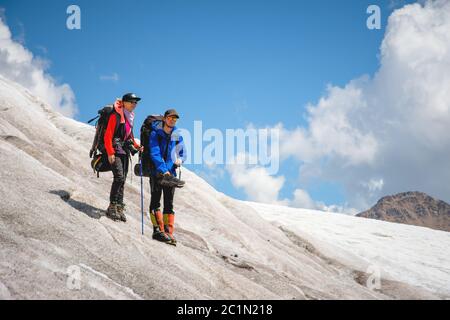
167	152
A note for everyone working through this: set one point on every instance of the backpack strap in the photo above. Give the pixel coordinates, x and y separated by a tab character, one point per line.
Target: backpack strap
93	119
117	123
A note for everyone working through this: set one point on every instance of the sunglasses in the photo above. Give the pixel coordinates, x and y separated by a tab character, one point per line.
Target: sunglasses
173	118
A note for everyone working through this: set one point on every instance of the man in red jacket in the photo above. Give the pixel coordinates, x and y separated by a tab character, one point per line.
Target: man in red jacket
119	142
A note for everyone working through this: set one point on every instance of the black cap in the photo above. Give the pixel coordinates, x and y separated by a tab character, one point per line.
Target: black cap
130	97
171	112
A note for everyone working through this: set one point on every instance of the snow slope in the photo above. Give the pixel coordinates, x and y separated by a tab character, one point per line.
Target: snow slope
52	222
415	255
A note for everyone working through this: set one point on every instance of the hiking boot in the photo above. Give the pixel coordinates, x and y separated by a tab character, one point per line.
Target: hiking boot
160	236
112	213
120	211
171	181
158	226
169	222
123	206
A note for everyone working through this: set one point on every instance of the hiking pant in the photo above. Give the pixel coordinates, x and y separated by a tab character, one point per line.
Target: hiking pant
156	191
120	170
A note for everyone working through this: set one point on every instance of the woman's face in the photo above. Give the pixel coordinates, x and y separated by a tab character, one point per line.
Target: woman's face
130	105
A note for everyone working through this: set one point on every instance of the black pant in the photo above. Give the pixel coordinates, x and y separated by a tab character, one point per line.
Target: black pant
156	191
120	170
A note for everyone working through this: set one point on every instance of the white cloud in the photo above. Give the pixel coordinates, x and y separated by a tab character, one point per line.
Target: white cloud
335	129
18	64
114	77
303	200
374	185
394	126
344	209
256	181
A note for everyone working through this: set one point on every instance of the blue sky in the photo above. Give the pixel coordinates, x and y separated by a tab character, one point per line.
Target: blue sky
227	63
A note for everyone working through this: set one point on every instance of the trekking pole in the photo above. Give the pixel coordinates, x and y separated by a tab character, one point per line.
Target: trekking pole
142	195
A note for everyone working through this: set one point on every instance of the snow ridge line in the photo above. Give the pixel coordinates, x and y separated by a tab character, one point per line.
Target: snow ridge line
104	276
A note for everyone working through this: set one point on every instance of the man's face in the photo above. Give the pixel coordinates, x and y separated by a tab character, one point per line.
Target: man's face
130	105
170	121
